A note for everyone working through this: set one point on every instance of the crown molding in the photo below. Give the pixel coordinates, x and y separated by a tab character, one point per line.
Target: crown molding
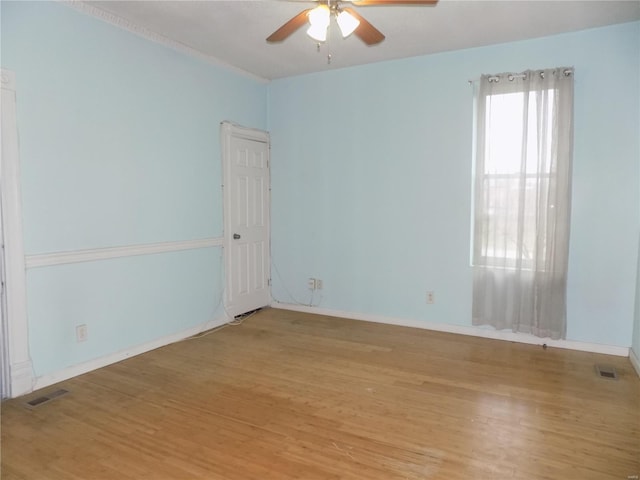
123	23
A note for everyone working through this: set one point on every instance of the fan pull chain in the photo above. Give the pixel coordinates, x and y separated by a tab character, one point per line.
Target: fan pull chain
328	55
328	43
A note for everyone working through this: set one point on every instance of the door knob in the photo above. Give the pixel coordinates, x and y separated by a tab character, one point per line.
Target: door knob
236	236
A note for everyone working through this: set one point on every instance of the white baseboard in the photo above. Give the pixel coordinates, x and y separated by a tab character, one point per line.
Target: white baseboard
75	370
21	378
463	330
635	361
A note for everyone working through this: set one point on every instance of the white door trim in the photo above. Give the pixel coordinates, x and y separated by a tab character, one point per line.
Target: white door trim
229	130
20	367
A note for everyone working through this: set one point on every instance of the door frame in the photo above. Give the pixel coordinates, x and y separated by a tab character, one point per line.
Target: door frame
229	130
17	342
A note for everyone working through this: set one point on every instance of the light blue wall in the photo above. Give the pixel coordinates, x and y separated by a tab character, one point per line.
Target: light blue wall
119	136
119	145
124	302
371	180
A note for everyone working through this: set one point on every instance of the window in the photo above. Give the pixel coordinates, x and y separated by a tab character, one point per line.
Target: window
522	199
514	184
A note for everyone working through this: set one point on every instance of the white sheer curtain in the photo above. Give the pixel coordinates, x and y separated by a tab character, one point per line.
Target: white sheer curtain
522	201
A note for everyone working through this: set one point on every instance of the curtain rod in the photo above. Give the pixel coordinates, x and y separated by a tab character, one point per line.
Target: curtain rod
567	72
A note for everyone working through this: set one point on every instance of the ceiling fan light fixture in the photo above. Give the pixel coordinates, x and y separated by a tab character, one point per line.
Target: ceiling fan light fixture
319	16
319	19
318	33
347	23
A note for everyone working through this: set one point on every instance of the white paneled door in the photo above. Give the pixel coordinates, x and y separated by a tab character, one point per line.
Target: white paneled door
246	223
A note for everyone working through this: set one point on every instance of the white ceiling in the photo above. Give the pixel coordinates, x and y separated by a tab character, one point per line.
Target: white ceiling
233	32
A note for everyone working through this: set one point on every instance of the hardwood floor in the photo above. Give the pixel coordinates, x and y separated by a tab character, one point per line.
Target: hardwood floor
295	396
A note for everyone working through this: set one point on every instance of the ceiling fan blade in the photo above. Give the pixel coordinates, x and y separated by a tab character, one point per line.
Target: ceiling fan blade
365	31
393	2
289	27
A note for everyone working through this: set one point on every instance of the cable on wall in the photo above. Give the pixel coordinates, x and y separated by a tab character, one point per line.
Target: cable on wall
291	296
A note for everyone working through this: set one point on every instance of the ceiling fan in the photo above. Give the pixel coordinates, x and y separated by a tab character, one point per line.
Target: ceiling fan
349	21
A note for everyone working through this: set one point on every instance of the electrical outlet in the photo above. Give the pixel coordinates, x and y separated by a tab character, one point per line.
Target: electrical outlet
431	297
311	283
318	284
82	333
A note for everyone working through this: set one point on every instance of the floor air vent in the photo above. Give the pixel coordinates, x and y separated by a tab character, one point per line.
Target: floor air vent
606	371
36	402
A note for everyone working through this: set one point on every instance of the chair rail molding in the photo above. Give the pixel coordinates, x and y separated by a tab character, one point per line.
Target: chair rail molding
95	254
20	366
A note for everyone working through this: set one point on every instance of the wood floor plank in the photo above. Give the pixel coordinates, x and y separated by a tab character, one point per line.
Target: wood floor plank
288	395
